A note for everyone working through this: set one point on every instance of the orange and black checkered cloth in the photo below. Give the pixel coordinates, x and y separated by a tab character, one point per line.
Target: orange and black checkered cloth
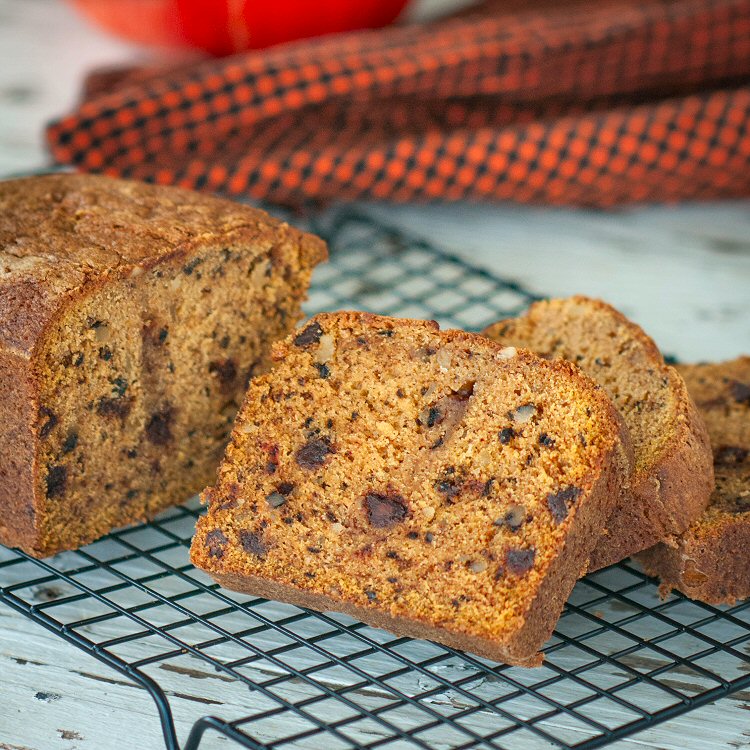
559	102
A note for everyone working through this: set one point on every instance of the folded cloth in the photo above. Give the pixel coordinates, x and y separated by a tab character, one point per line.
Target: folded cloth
560	102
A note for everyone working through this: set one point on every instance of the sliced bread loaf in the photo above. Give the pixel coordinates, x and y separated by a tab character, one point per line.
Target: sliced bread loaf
709	561
432	483
131	317
673	477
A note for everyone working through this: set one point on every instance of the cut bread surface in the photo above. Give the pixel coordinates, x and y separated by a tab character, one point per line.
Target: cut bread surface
433	483
709	560
132	318
673	476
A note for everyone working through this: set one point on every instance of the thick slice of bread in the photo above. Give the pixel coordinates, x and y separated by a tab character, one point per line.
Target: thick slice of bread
673	476
432	483
709	561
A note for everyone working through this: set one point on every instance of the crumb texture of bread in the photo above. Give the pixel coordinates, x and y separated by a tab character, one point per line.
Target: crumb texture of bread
429	482
131	318
672	478
709	561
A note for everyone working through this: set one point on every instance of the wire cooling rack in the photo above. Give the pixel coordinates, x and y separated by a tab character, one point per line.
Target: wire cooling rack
620	660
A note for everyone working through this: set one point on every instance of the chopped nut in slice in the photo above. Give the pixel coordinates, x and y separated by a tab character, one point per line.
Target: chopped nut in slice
523	413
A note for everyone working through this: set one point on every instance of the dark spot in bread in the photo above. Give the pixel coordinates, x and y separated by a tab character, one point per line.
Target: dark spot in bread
273	457
448	484
371	595
188	268
519	561
740	392
74	359
323	370
119	386
546	441
225	371
71	442
215	543
50	420
506	435
383	510
105	353
286	488
252	543
558	502
437	443
313	454
309	335
159	427
57	479
728	455
114	407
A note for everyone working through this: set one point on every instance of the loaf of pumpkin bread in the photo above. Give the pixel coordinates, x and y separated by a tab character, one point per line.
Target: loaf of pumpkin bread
429	482
131	317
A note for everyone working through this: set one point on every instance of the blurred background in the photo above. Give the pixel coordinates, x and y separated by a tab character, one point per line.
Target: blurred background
598	148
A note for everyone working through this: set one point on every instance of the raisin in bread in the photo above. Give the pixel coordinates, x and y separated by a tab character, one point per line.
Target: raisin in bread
709	561
131	317
431	483
672	478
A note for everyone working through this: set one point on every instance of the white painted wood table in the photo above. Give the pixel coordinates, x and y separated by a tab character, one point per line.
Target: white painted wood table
682	272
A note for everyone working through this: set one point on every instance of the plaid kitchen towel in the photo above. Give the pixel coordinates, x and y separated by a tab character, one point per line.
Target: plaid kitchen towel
561	102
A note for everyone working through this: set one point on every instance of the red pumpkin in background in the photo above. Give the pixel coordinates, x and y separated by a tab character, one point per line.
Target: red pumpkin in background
222	27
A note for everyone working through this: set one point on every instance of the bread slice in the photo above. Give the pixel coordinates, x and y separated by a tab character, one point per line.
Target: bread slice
673	476
131	316
709	561
431	483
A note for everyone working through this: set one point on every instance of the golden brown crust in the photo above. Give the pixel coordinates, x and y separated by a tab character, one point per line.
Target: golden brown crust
673	476
69	240
709	560
271	532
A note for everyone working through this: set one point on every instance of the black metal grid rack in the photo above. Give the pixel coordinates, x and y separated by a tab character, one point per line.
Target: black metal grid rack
620	660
